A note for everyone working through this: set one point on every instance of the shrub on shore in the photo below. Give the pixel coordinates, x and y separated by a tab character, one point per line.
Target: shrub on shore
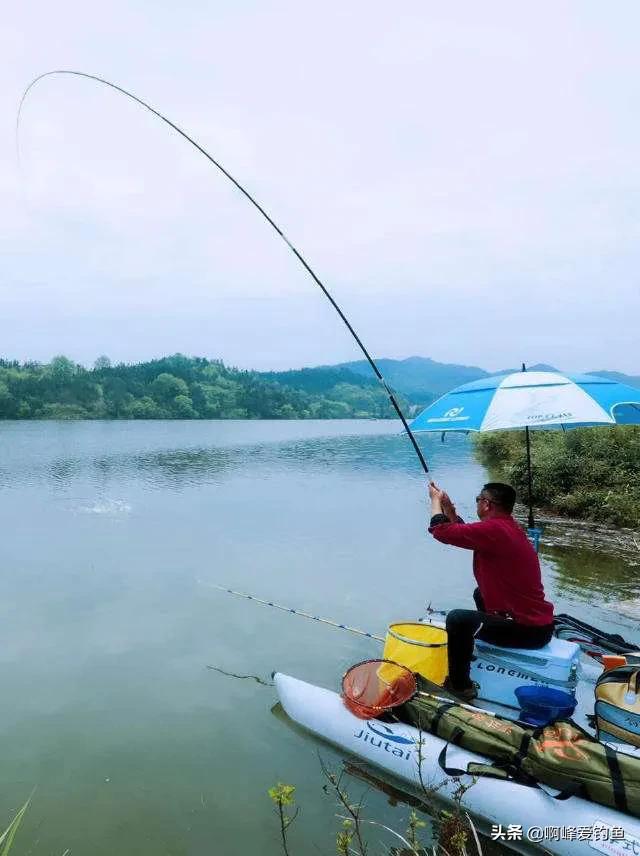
586	473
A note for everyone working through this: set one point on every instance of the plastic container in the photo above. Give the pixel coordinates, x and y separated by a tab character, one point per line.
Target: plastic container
543	705
612	661
534	535
500	671
420	647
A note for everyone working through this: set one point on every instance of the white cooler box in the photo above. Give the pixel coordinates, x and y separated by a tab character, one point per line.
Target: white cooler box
500	670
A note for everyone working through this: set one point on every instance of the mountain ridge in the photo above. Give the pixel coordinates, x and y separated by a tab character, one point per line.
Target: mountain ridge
420	379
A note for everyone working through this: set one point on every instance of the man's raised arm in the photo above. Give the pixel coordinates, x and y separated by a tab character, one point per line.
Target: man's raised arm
448	528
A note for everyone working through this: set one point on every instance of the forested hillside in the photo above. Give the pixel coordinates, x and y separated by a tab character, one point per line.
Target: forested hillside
178	387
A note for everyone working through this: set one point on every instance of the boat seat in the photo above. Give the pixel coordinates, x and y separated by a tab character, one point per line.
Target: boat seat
500	671
557	650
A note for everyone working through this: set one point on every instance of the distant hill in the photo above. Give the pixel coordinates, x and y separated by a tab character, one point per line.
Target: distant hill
631	380
419	379
321	379
538	367
181	387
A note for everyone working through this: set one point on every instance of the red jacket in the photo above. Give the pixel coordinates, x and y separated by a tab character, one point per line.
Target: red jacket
505	566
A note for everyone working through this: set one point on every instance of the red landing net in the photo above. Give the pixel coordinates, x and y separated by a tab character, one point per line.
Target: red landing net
374	686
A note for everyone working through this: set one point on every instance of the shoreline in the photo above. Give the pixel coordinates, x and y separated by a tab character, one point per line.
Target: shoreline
622	542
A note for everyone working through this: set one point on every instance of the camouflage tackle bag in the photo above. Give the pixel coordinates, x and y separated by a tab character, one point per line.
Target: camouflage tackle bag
561	755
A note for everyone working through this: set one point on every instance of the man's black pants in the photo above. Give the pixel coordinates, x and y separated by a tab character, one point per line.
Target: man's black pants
463	625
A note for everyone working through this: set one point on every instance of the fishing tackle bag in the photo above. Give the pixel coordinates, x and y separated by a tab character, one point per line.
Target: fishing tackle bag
617	706
561	755
593	641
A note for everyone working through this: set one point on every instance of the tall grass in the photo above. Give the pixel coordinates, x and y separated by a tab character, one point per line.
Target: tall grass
7	837
453	831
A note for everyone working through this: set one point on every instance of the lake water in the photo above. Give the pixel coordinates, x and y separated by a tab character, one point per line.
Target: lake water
112	533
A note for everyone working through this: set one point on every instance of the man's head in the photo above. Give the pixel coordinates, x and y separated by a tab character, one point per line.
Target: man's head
495	498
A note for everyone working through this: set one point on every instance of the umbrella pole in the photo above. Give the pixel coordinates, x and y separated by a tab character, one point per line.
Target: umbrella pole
531	522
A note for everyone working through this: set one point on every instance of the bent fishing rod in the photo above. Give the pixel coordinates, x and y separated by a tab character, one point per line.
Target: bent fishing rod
259	207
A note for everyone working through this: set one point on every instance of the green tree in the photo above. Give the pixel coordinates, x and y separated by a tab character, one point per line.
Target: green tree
147	408
117	397
182	407
166	387
63	411
102	363
287	411
62	369
8	404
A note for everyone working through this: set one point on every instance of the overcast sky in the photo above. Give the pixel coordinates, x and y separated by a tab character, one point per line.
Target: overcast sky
465	177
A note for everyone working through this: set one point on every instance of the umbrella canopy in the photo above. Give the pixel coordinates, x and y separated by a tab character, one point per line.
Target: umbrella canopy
531	400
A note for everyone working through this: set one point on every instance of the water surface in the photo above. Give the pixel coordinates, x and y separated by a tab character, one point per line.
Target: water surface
112	533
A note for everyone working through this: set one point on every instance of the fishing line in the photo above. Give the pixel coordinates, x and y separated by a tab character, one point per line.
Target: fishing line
255	678
262	211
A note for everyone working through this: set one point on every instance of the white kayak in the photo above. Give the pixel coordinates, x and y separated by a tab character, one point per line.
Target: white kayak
393	748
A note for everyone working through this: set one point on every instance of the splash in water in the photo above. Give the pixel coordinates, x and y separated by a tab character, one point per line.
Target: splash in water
108	507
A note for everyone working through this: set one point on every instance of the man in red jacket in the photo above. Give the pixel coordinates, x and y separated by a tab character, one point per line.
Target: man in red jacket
511	608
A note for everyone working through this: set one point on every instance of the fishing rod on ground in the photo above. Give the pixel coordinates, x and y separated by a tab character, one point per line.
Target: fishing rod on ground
267	217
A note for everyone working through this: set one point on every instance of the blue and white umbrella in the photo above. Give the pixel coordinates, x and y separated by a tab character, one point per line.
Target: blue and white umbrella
531	400
534	400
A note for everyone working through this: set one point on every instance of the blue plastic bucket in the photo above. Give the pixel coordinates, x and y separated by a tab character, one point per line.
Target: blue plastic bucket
542	705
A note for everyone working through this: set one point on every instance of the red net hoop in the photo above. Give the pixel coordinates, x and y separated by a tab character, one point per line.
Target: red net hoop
374	686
